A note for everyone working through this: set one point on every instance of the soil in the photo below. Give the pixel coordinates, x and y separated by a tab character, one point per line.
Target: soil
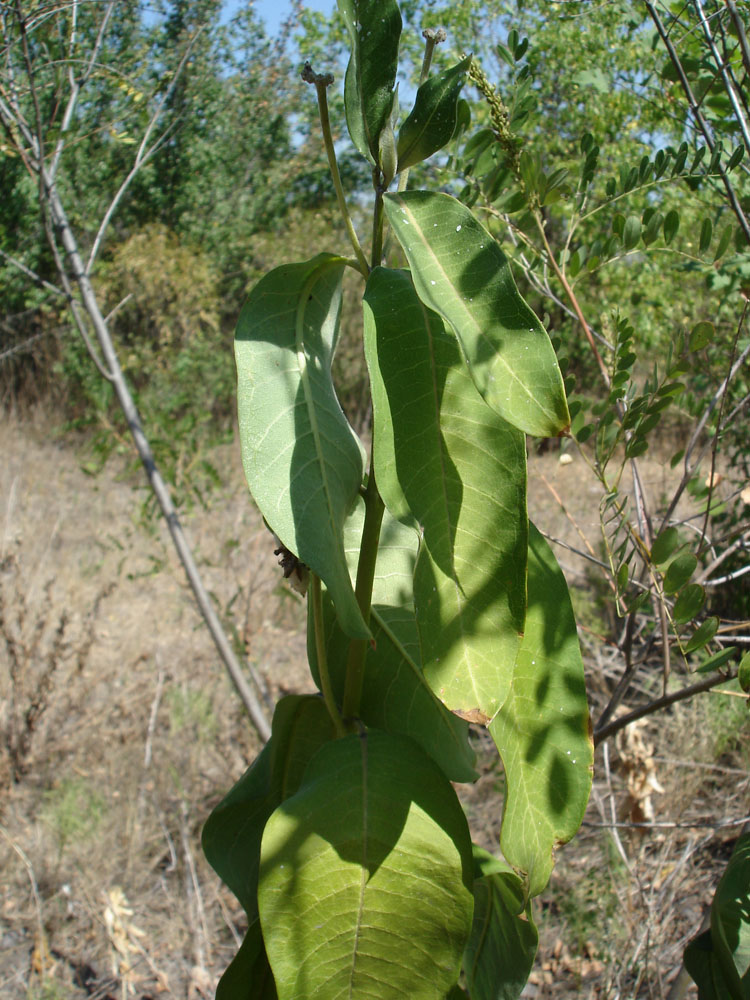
120	731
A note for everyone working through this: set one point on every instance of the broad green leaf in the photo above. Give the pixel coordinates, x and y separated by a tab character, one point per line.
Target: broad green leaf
232	834
366	876
454	470
432	121
679	571
249	975
302	460
395	694
689	602
664	545
543	731
719	959
503	942
701	335
702	635
375	29
461	273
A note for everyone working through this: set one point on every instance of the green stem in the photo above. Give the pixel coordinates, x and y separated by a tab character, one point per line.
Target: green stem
377	223
368	553
322	81
320	650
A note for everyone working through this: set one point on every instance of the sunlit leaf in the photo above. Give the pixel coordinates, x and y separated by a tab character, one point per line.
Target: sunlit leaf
461	273
631	232
671	225
455	471
366	876
543	731
303	462
432	121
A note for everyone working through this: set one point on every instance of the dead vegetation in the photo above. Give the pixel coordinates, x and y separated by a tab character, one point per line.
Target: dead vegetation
119	732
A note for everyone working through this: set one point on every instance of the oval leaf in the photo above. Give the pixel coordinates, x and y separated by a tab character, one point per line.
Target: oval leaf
302	460
679	572
689	603
375	29
543	731
631	232
702	635
665	545
701	335
433	118
366	876
671	225
450	467
462	274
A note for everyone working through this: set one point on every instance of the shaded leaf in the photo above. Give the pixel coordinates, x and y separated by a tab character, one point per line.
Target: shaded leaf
702	635
717	660
503	942
450	467
689	602
433	118
249	975
679	572
461	273
395	694
705	235
543	731
719	959
701	335
631	232
366	876
743	674
302	460
665	545
375	29
232	833
671	225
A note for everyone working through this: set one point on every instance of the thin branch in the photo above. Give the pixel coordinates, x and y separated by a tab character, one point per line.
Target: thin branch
603	732
698	115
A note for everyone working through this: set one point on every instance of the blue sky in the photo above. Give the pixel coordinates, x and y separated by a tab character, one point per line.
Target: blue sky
273	12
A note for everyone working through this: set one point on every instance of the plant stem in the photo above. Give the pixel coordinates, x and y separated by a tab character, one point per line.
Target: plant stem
316	596
368	553
377	223
322	81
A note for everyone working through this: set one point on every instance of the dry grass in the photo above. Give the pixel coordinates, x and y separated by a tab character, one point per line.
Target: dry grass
119	733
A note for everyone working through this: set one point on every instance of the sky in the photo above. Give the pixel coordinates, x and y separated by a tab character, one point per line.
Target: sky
273	12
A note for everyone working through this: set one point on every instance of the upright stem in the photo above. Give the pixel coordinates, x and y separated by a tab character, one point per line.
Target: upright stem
368	553
322	81
316	596
432	37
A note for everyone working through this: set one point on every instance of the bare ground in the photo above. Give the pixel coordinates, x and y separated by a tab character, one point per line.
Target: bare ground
120	732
